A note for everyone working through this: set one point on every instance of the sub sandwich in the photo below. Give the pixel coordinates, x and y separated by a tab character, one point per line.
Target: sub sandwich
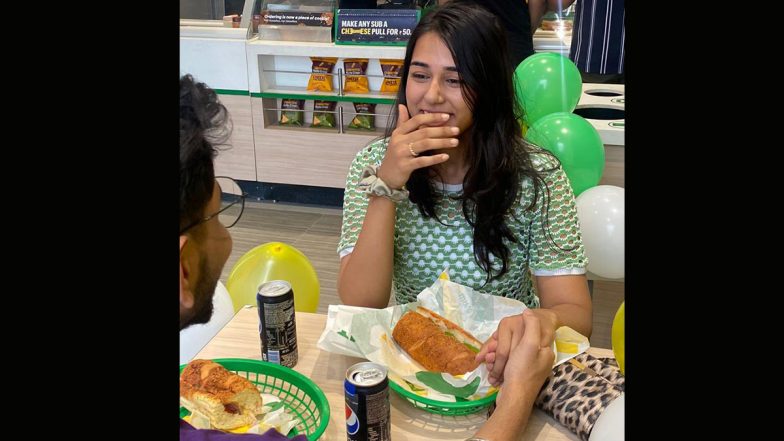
435	342
224	398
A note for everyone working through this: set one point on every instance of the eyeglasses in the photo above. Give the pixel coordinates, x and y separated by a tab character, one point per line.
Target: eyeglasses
232	204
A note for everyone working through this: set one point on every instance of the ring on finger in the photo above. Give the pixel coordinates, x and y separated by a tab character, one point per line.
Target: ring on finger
411	149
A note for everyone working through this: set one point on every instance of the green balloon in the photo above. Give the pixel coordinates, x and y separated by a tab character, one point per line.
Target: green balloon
575	143
545	83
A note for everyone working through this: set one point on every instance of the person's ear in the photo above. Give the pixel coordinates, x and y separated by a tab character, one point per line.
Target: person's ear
186	281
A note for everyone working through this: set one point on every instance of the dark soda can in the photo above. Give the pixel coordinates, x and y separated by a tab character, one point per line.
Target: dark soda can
277	325
367	402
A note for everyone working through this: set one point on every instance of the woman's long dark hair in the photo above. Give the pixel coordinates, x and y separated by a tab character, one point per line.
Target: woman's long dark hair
499	157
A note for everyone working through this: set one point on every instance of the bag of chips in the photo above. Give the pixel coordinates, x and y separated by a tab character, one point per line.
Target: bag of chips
391	70
362	120
321	78
323	115
356	80
292	114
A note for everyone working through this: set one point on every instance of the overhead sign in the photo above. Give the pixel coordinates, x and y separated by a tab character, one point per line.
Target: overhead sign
296	18
363	26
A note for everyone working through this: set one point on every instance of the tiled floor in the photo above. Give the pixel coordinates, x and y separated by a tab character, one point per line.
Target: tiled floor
315	232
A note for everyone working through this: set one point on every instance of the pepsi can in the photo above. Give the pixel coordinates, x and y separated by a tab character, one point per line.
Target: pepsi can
367	402
277	324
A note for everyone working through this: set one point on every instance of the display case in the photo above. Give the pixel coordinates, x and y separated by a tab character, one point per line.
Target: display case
288	76
555	32
304	154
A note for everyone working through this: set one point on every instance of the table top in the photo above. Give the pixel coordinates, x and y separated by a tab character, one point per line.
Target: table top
240	339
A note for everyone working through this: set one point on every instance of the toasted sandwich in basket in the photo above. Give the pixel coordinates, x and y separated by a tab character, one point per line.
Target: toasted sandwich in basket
435	342
224	398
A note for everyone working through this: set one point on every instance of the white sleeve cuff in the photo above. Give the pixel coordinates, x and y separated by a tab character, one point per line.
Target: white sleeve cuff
559	272
346	251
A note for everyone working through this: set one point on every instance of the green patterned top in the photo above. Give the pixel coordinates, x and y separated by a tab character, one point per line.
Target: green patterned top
424	247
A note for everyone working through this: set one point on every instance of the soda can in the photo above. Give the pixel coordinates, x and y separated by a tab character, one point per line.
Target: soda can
367	402
277	325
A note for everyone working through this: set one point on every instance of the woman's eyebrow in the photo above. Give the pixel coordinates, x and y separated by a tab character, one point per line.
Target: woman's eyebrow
426	66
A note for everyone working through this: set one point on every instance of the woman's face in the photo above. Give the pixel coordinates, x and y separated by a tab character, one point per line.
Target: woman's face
433	83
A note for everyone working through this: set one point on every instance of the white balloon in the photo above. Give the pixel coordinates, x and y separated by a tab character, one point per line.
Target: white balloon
609	425
195	337
601	213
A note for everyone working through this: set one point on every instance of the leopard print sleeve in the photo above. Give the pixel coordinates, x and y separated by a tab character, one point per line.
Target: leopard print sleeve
576	397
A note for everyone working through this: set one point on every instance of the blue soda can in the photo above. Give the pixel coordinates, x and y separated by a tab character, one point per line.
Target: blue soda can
277	324
367	402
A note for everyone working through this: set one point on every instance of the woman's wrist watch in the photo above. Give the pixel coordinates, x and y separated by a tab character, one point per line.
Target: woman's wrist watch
371	184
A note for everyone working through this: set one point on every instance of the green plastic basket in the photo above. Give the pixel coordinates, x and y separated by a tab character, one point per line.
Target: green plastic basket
460	407
302	398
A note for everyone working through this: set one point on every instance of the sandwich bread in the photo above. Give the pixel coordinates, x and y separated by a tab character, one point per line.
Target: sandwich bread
229	401
436	343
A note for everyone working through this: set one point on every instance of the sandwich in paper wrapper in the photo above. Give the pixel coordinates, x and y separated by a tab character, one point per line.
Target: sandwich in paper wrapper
368	333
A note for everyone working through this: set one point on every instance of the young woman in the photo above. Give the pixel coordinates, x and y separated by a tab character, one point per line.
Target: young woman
455	184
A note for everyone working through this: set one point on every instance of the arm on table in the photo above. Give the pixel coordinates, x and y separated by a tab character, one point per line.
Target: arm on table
565	301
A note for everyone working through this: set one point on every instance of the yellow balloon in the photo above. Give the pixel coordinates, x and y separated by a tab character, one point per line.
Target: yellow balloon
617	337
274	261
